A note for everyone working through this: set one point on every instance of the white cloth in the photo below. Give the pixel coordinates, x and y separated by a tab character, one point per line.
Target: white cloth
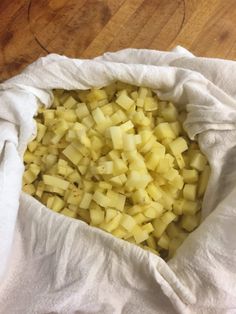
53	264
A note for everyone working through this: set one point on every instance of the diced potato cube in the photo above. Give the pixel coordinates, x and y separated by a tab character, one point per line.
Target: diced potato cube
54	189
180	161
139	118
148	146
96	216
171	174
82	111
176	127
32	146
31	174
105	168
127	222
189	222
177	182
190	192
111	225
86	200
136	162
74	198
74	176
56	138
40	151
49	115
72	154
204	177
127	126
117	137
151	213
164	241
104	185
41	130
69	115
119	166
134	95
140	218
168	217
107	109
124	101
141	197
70	103
49	160
139	234
166	200
154	191
151	243
118	180
166	142
150	104
116	118
140	102
198	161
83	138
96	94
145	136
116	200
40	189
158	207
134	210
178	146
178	206
60	127
138	180
101	199
148	228
57	204
142	92
29	157
163	165
190	175
138	139
98	116
159	227
114	154
119	232
169	112
84	215
68	213
164	130
88	121
129	142
56	182
110	214
29	188
73	208
88	186
173	230
46	140
190	208
152	160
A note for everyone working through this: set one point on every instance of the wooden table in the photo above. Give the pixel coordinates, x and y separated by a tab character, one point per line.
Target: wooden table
87	28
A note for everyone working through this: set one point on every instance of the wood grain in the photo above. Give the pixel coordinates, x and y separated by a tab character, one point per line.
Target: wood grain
87	28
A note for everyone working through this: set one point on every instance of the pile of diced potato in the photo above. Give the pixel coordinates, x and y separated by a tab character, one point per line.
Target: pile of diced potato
119	159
